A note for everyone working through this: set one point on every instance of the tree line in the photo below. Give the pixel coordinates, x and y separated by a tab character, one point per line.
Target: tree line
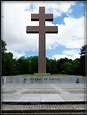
29	65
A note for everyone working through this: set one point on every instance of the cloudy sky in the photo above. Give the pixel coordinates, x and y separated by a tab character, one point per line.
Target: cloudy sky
69	16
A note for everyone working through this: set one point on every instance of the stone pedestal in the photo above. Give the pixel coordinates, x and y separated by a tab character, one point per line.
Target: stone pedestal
42	74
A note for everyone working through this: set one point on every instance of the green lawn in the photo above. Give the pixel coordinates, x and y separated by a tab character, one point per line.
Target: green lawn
44	75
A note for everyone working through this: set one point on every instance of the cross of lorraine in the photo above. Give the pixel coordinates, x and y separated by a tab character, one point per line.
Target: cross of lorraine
42	29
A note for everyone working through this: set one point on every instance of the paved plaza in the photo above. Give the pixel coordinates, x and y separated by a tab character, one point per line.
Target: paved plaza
43	92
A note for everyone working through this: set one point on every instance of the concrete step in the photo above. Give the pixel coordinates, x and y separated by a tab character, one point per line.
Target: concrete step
44	108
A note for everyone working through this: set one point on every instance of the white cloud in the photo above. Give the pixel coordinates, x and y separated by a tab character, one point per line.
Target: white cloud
70	54
17	54
70	35
55	7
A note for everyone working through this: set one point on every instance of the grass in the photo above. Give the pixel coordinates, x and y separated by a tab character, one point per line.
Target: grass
44	75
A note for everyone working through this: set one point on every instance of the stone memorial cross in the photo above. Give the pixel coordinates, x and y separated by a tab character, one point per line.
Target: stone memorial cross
42	29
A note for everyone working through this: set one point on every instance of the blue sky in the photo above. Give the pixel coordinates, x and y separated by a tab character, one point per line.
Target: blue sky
68	16
78	10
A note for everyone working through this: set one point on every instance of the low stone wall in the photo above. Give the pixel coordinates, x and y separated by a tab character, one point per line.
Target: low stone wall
42	79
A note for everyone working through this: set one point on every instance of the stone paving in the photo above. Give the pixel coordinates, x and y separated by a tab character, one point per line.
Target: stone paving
41	92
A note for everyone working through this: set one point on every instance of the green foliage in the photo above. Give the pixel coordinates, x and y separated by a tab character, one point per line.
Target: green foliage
29	65
83	50
51	66
7	64
66	68
3	46
83	59
62	62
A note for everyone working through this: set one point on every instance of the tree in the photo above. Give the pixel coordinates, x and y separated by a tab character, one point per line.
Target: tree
66	68
21	65
53	66
48	65
33	64
3	46
7	64
27	65
76	67
83	58
60	64
83	50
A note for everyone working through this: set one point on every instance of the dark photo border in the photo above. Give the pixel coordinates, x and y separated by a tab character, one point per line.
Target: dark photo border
85	39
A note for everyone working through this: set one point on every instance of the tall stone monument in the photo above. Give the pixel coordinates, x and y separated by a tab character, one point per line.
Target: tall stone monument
42	29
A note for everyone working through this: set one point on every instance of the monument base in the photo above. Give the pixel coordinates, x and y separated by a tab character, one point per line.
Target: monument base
42	74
